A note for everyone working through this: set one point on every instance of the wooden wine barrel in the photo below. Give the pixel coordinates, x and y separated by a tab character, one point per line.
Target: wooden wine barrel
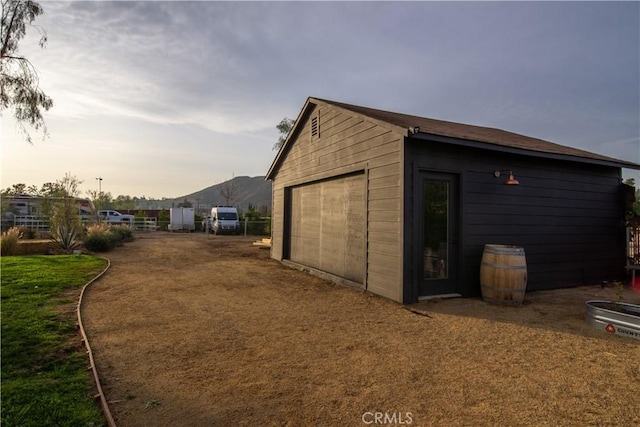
503	274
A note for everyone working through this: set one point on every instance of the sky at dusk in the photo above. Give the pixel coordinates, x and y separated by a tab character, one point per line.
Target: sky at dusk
162	99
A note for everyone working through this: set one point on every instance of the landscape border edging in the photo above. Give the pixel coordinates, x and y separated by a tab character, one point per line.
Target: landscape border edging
85	340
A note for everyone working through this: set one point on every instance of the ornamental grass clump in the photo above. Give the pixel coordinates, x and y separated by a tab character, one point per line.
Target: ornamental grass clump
9	241
98	228
100	238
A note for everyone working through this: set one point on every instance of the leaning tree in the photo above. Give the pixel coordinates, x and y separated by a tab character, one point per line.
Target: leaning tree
19	82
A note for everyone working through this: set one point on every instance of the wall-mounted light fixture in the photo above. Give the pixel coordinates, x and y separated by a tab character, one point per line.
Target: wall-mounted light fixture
510	181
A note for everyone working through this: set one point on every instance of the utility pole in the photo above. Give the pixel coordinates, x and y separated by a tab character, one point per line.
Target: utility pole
99	186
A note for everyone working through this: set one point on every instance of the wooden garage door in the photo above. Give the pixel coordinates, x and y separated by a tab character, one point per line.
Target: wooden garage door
327	226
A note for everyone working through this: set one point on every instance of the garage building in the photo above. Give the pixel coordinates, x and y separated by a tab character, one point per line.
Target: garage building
402	206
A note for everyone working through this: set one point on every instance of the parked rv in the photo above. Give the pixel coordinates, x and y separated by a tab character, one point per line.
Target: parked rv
25	205
34	211
223	220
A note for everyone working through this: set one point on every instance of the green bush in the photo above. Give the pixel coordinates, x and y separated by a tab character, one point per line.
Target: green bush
101	242
30	233
122	233
100	238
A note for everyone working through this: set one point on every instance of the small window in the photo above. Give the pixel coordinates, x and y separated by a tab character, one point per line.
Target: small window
315	128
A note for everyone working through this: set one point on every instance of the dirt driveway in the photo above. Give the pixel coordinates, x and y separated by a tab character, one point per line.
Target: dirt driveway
196	330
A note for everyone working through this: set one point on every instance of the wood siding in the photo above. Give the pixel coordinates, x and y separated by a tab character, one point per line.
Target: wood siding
568	216
328	229
347	144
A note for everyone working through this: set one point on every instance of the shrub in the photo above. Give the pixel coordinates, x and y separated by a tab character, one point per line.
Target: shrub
123	233
100	238
100	242
9	241
98	228
65	224
30	233
66	236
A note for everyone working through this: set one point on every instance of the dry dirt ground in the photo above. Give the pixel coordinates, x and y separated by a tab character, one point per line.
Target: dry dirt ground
196	330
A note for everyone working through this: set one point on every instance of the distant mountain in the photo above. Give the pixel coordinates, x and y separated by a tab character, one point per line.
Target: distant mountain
244	189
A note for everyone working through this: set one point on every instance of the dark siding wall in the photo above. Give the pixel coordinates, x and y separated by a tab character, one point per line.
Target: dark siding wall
568	216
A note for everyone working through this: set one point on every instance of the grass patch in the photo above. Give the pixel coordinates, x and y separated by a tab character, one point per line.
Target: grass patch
45	381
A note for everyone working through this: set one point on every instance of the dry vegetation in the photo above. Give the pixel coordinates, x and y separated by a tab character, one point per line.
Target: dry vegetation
197	330
9	241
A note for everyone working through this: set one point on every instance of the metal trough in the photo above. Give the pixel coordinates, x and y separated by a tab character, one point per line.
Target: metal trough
616	318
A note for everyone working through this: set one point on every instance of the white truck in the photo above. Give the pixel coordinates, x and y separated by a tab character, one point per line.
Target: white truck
223	220
115	217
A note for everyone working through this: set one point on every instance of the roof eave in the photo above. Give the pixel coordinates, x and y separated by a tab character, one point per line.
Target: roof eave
383	123
515	150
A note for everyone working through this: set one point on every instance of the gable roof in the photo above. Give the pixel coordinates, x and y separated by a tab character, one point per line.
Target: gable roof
457	133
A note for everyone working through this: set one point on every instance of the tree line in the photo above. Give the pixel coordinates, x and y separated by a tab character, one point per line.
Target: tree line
69	186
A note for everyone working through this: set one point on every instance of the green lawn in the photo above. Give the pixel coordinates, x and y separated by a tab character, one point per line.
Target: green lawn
45	381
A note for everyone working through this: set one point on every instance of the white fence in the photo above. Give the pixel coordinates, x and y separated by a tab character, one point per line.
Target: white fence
37	223
145	224
149	224
42	223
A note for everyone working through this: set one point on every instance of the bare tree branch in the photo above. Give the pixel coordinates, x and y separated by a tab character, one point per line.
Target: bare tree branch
228	192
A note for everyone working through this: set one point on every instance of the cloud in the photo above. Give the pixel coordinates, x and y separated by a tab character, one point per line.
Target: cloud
214	78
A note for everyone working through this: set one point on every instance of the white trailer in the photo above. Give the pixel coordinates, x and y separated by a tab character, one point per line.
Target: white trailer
182	219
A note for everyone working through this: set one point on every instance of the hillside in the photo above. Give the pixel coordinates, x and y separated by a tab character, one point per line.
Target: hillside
244	189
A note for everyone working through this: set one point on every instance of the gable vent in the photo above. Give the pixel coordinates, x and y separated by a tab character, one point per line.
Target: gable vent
315	128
